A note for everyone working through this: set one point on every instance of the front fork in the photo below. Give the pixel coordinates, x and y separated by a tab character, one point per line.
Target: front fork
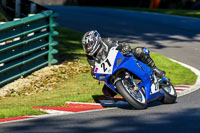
129	78
164	81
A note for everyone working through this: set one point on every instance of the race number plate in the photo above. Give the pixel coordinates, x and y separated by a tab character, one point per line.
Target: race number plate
155	86
106	66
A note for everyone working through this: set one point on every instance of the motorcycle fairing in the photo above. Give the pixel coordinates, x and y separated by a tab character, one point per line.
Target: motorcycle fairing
116	61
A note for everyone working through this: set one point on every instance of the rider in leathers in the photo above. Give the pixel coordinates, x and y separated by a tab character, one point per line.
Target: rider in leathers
97	50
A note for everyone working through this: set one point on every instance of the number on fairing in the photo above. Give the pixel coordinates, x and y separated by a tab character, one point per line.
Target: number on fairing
103	65
155	86
106	66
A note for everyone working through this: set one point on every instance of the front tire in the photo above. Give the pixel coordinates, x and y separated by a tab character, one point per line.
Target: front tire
170	94
130	97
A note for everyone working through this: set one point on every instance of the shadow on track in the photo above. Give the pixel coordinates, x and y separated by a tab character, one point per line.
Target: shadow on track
184	121
132	26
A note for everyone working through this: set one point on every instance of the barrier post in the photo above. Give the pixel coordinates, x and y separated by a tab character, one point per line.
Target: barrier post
17	8
52	42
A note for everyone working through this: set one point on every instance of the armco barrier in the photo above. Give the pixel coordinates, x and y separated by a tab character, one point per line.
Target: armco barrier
26	45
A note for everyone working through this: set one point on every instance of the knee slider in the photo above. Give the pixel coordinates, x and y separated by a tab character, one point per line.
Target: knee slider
138	51
146	51
141	51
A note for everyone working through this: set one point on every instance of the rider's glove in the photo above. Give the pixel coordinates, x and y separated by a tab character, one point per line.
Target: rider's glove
126	49
92	72
93	75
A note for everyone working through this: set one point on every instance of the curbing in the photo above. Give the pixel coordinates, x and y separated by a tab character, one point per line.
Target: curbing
194	87
107	103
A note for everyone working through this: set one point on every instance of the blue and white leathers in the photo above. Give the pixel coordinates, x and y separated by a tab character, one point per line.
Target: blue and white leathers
115	62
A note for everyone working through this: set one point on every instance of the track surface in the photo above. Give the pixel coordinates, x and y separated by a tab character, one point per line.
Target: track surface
175	37
172	36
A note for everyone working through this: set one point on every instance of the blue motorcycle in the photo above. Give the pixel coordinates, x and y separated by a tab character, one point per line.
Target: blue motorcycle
133	80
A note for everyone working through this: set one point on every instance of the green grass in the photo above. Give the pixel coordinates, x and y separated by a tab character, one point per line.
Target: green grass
179	12
177	73
82	87
70	47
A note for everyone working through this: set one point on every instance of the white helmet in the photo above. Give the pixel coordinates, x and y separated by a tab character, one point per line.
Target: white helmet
91	42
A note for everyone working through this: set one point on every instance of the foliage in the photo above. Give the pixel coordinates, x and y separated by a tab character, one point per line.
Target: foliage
45	79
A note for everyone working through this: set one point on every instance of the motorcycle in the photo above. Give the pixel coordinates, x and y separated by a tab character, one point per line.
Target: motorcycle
134	80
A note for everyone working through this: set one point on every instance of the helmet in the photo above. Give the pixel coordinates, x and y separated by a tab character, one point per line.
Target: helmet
91	42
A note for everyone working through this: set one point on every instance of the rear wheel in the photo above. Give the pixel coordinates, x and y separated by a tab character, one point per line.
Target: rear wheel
131	92
169	93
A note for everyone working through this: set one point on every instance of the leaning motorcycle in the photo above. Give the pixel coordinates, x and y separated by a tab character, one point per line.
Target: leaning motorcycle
134	80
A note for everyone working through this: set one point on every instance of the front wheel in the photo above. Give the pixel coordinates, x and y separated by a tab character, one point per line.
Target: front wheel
131	93
169	93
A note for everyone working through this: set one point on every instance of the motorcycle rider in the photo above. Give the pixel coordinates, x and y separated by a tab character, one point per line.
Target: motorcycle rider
97	50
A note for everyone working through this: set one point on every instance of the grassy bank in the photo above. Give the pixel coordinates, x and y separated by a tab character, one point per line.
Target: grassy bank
187	13
80	87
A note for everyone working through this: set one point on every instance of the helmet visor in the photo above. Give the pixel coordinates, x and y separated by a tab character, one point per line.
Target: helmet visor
89	46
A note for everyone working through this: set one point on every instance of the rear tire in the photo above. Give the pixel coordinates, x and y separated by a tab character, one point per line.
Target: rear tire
130	97
170	95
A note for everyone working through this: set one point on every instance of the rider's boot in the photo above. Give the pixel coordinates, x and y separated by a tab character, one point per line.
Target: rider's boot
108	92
143	54
158	72
149	61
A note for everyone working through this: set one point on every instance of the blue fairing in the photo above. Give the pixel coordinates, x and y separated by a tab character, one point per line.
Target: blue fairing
138	68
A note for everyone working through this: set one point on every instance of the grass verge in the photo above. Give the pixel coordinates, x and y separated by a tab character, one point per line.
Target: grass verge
179	12
81	87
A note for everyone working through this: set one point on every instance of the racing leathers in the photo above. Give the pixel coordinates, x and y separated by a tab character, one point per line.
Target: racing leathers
141	53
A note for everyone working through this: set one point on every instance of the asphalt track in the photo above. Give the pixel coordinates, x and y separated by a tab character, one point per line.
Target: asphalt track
172	36
175	37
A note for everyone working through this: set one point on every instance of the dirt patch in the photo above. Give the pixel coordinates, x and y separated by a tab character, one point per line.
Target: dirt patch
43	79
